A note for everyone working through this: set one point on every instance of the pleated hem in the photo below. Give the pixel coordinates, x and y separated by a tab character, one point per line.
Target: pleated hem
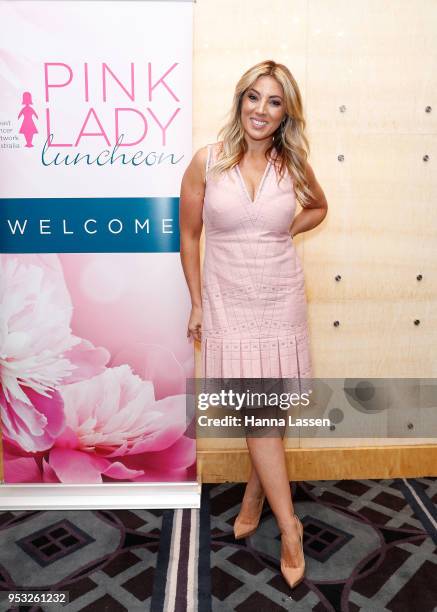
277	357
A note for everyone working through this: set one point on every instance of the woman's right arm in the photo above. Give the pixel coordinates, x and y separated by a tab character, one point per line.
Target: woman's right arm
190	226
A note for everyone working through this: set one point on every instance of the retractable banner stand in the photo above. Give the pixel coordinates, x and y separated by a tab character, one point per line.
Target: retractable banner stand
95	134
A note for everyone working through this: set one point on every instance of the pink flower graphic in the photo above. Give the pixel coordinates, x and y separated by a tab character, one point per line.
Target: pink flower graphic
38	351
66	417
114	428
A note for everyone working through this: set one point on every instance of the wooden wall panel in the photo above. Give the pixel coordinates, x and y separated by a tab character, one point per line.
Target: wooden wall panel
326	463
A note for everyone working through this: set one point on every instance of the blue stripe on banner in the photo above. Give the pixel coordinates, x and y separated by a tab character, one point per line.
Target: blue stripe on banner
89	225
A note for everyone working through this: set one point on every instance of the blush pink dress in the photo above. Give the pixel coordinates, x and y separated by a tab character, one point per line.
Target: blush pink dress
253	293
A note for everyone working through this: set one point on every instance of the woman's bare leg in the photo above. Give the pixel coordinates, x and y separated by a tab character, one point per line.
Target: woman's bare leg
253	493
268	459
254	490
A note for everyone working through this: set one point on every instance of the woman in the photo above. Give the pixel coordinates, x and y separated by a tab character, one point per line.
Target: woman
249	312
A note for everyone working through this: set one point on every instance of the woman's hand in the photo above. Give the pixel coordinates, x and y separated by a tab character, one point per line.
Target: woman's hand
195	323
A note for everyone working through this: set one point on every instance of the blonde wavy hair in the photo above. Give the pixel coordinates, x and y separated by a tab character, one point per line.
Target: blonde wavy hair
289	139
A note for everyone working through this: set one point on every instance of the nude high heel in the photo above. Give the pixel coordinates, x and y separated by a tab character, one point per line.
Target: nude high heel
244	529
294	575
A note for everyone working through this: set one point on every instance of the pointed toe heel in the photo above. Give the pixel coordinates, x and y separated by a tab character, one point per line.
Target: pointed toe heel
294	575
244	528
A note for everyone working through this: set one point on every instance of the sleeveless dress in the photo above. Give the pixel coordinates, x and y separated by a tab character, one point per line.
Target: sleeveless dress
253	292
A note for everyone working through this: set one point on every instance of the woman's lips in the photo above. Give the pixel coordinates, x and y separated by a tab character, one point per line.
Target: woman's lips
257	124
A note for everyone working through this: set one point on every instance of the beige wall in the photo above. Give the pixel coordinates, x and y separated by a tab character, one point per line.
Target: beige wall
378	59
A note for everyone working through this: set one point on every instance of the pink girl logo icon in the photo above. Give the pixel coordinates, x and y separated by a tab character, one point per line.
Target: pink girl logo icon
28	127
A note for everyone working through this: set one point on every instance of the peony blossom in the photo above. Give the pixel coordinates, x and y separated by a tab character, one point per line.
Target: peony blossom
38	351
115	428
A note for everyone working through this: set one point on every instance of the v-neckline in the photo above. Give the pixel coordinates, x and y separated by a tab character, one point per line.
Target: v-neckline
259	188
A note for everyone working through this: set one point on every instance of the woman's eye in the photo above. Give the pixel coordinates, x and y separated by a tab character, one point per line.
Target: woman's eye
274	102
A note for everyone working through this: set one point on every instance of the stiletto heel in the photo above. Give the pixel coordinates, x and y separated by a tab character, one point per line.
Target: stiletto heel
294	575
244	529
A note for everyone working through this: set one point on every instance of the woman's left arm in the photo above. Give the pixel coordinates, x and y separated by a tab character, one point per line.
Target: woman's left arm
315	211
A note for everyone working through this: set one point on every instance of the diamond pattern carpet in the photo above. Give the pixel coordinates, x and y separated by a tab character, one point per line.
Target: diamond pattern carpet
369	545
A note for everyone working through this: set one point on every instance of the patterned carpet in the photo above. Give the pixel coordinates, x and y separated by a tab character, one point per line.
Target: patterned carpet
369	545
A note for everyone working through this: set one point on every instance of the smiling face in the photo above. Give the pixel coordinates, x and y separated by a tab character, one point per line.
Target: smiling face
262	108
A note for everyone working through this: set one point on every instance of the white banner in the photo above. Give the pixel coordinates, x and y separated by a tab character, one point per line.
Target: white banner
95	136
